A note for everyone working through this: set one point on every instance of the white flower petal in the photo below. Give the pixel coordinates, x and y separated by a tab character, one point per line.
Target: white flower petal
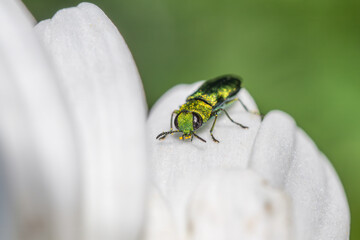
276	141
37	145
238	204
280	152
287	158
7	223
178	166
159	224
104	90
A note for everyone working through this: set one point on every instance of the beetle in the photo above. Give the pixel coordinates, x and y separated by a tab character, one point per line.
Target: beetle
205	103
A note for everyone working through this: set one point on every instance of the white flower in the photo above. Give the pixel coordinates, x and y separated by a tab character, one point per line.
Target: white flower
77	154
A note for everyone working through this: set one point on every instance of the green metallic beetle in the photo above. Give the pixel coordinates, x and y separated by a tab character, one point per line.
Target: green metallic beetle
206	102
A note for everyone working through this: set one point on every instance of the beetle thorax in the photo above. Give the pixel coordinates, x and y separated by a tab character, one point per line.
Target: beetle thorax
199	107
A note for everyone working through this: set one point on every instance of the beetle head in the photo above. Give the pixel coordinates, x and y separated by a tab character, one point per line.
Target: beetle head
187	122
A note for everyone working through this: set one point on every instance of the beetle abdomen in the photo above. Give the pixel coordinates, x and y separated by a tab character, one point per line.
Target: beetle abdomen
214	92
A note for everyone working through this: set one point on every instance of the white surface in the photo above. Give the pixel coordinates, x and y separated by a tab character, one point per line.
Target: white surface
103	88
159	222
238	204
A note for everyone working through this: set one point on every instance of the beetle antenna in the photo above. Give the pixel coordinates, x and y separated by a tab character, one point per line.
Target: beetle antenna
199	137
163	135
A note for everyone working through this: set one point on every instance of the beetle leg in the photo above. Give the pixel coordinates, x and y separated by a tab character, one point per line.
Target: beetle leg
239	124
163	135
246	109
212	128
199	137
244	106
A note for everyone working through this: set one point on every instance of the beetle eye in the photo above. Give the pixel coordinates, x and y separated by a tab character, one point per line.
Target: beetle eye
176	121
197	121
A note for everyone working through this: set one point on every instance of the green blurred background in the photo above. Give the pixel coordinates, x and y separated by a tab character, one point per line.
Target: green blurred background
298	56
